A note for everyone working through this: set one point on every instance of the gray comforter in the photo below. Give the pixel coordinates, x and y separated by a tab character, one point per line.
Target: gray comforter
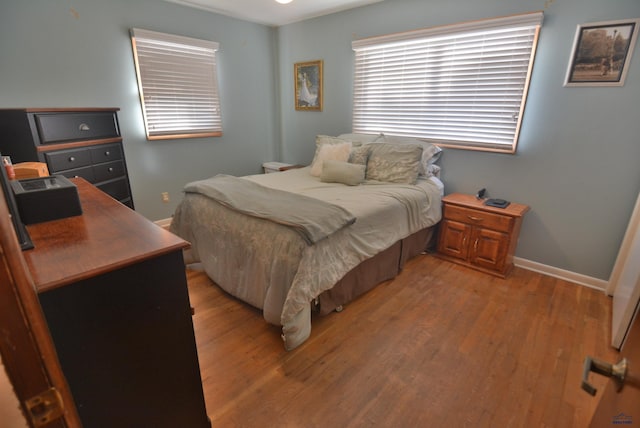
312	218
271	267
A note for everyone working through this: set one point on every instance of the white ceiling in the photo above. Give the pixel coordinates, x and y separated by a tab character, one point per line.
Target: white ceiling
269	12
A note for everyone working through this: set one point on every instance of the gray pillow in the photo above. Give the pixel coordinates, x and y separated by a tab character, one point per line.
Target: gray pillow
394	163
334	171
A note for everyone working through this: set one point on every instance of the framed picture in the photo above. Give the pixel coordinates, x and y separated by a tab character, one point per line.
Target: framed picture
602	53
308	90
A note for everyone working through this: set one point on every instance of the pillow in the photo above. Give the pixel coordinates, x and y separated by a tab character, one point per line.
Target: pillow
394	163
327	139
342	172
360	155
362	138
430	152
339	152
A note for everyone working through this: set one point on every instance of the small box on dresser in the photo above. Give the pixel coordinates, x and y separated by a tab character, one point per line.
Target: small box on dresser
46	198
479	236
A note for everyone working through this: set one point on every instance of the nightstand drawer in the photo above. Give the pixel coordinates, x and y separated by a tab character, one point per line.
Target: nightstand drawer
481	218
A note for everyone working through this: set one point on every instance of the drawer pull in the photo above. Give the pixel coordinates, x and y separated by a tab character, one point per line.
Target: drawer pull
107	153
84	127
475	218
110	169
72	159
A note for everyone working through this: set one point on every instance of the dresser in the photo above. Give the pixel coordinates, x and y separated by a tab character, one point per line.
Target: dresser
73	142
113	290
479	236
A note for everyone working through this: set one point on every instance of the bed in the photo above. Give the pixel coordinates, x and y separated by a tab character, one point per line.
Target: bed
378	218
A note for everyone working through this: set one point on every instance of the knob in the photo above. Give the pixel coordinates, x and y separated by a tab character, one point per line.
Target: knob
72	159
110	169
616	371
107	153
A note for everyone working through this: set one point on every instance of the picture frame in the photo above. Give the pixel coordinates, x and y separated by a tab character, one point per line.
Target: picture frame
601	53
308	85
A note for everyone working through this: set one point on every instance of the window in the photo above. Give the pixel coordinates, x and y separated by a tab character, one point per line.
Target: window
462	85
178	85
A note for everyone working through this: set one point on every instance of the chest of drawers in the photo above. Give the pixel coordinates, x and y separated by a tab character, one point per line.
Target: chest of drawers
73	142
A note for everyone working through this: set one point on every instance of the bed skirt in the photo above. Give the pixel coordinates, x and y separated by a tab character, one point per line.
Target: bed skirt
379	268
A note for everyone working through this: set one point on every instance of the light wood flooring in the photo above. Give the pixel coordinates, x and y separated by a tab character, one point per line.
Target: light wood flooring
439	346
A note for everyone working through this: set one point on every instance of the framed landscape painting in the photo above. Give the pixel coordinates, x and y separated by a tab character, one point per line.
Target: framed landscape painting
602	53
308	85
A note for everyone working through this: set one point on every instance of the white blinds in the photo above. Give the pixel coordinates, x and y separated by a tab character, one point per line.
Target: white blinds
178	85
460	85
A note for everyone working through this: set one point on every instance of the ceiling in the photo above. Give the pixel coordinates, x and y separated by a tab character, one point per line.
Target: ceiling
269	12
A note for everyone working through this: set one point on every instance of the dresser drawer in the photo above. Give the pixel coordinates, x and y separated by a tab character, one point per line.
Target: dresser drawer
57	127
68	159
481	218
118	189
108	171
106	153
84	172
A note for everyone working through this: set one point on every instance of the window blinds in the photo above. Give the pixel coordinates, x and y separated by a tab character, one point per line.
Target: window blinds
178	85
460	85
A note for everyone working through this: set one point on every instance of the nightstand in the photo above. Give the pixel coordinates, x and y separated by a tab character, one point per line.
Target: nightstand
270	167
479	236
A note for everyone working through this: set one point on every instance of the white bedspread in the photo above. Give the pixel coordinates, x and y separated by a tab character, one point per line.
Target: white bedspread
272	268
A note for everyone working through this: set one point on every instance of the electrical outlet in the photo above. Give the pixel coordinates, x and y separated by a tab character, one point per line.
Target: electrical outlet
165	197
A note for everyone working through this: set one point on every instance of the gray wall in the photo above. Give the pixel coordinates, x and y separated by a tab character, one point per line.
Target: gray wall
49	58
577	160
576	164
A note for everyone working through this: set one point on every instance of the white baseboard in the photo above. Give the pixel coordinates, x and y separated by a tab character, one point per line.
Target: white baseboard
165	222
566	275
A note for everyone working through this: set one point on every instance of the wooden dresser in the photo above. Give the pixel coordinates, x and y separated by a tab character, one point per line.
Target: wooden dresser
73	142
113	289
479	236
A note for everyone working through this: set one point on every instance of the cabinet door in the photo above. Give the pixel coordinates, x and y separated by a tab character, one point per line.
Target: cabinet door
454	239
489	249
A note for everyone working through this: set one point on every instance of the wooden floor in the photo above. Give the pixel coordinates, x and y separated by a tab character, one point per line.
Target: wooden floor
439	346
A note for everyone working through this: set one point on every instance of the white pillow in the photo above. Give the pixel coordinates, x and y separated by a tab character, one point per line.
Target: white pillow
342	172
338	152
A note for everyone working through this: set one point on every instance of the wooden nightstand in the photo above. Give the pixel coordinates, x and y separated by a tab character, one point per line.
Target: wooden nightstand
270	167
479	236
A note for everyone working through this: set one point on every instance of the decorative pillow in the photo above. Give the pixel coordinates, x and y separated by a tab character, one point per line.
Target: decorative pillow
339	152
430	152
327	139
342	172
362	138
394	163
360	155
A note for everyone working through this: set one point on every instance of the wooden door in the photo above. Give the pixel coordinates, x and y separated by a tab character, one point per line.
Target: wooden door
455	239
489	249
27	349
623	407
